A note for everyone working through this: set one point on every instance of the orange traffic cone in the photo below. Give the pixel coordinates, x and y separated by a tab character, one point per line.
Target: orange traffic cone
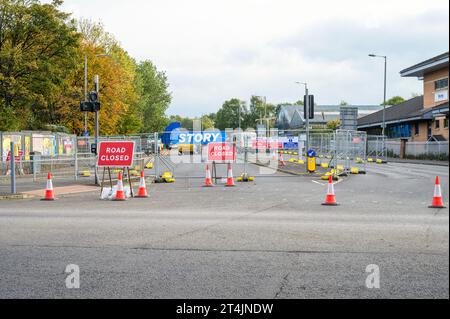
49	194
208	179
437	199
281	160
120	194
331	198
142	192
274	155
230	179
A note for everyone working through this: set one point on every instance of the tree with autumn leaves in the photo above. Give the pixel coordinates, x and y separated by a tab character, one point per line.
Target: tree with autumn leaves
42	54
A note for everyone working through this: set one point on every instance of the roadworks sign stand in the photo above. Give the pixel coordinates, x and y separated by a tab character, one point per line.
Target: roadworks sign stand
214	171
125	169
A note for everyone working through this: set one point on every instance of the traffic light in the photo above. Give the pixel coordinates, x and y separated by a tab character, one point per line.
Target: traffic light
93	96
89	106
93	105
311	106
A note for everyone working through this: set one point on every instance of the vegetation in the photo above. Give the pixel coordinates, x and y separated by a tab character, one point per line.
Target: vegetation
396	100
333	125
42	51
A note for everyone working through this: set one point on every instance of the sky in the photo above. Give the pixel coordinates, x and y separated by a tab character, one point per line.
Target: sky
215	50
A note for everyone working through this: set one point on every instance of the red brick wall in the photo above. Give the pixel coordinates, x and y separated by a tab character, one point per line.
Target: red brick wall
429	88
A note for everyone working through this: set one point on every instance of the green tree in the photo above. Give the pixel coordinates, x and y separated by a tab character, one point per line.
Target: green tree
333	125
207	122
344	103
152	86
228	115
396	100
258	110
38	46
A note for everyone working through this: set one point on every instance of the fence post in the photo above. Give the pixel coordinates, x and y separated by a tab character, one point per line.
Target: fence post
156	156
76	164
12	157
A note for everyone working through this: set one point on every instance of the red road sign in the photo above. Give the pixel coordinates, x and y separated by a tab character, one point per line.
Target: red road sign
115	154
16	158
221	152
266	144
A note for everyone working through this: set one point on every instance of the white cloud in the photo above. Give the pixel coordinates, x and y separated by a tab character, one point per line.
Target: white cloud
214	50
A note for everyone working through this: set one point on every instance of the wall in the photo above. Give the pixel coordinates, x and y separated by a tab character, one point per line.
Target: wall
429	88
441	130
423	133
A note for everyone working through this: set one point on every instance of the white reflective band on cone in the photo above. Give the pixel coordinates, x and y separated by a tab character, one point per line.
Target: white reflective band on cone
437	191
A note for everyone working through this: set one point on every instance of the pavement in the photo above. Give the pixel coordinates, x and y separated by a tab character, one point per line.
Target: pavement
420	162
267	239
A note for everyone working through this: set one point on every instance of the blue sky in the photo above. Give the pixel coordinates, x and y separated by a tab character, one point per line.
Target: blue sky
213	50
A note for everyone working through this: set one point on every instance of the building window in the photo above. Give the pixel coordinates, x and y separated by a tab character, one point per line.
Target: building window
437	124
441	84
446	123
416	129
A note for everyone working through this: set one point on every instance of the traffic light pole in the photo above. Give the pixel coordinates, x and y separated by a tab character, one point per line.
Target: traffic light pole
307	116
85	90
96	129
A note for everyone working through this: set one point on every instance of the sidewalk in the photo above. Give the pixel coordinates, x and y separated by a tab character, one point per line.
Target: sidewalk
421	162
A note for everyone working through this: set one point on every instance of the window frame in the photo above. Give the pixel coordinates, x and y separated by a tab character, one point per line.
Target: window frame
437	124
436	83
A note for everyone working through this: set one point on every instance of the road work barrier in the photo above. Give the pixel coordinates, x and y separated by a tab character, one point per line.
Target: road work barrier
208	178
49	193
437	199
230	177
120	193
142	191
331	197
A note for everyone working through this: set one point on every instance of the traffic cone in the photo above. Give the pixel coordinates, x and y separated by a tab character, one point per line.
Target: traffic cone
230	179
120	194
142	192
49	194
208	179
331	198
274	155
437	199
281	160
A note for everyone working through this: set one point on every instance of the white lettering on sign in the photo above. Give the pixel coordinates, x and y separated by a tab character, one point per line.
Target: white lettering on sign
190	138
115	150
115	158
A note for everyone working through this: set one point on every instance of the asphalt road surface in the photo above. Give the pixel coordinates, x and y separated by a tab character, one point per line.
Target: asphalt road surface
267	239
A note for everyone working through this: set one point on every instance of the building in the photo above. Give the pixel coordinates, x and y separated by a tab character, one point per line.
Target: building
423	118
292	117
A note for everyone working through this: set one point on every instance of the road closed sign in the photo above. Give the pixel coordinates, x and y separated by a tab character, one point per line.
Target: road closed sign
115	154
221	152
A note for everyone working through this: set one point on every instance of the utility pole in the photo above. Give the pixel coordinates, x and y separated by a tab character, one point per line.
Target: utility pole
383	129
239	115
96	81
385	96
85	89
307	116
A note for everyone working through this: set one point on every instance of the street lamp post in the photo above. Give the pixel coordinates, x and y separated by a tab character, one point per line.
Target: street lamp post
96	126
383	130
85	90
385	89
86	84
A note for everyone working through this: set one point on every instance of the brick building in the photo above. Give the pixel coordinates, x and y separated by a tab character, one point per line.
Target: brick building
422	118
